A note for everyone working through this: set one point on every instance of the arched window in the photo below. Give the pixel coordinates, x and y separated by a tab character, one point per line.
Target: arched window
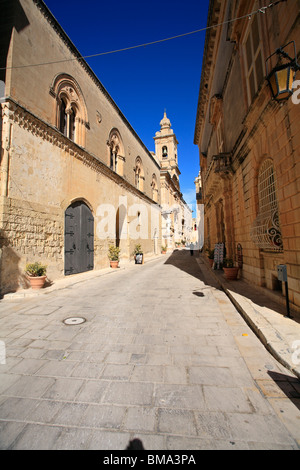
67	121
165	151
116	156
139	174
70	110
72	116
154	188
266	232
62	117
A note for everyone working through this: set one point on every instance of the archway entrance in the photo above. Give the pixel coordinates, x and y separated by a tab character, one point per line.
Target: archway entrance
79	238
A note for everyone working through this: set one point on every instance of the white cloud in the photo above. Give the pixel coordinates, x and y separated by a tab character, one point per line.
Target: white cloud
190	196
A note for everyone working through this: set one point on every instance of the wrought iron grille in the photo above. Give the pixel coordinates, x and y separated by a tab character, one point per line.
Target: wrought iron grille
265	231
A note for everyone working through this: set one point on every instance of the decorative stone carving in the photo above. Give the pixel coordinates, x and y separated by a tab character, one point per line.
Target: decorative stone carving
99	117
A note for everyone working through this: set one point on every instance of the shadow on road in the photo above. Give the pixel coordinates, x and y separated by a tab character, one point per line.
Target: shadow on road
260	296
183	260
288	385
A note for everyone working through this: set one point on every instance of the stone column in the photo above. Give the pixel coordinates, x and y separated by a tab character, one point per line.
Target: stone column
6	144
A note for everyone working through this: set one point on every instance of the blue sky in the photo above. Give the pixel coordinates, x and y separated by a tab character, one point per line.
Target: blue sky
145	81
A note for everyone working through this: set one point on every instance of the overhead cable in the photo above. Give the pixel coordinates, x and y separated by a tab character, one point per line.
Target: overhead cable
248	15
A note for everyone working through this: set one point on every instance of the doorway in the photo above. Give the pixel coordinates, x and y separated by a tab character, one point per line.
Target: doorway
79	238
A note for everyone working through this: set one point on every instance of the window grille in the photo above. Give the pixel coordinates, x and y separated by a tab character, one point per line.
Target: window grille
265	232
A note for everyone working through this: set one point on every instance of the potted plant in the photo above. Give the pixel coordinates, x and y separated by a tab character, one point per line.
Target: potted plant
230	270
36	274
210	255
138	254
163	249
114	256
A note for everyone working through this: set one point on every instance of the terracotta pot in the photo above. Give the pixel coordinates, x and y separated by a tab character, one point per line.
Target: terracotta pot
231	273
37	282
211	262
114	264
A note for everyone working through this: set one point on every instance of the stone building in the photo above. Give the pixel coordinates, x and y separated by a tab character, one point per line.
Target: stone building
199	223
249	141
75	176
176	215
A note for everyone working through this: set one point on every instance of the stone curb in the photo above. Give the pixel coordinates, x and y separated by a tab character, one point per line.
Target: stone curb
270	337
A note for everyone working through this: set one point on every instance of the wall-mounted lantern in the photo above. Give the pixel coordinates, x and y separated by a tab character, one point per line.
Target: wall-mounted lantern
282	76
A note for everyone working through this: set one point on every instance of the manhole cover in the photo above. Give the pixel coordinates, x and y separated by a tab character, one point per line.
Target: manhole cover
74	320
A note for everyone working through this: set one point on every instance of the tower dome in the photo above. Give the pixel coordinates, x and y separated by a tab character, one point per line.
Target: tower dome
165	122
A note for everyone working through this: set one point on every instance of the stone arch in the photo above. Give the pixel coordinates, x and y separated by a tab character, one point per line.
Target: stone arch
68	203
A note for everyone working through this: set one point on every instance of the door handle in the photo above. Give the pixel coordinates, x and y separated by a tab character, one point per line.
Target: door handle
74	247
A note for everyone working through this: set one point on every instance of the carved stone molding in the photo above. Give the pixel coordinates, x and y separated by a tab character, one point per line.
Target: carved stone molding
38	128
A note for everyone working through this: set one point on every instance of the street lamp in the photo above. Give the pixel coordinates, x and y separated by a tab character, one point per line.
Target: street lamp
282	76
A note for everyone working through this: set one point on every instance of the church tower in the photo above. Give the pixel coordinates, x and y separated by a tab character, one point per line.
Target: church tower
172	203
166	148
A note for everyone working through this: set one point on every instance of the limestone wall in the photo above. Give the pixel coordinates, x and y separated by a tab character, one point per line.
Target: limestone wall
43	171
32	87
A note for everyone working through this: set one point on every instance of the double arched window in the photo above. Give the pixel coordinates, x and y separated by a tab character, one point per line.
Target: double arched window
116	156
70	111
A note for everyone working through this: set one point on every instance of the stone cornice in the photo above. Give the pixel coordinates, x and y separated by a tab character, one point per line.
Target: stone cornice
16	113
213	19
67	41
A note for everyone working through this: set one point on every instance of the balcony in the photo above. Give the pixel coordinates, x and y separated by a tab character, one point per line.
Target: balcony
222	163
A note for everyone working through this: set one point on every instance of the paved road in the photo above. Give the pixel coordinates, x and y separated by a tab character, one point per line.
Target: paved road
162	356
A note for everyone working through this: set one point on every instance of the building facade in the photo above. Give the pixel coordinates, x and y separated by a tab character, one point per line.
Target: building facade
75	176
199	222
249	142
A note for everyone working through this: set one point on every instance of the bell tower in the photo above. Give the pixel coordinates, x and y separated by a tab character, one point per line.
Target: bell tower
166	147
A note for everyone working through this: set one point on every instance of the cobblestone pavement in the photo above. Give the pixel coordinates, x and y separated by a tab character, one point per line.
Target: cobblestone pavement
163	356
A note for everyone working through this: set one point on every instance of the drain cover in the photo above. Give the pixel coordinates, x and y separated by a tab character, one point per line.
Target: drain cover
74	320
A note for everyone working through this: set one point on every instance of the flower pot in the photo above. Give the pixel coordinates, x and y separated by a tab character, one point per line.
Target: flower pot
231	273
37	282
211	262
114	264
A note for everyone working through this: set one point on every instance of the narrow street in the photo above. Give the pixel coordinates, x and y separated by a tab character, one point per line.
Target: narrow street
162	356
